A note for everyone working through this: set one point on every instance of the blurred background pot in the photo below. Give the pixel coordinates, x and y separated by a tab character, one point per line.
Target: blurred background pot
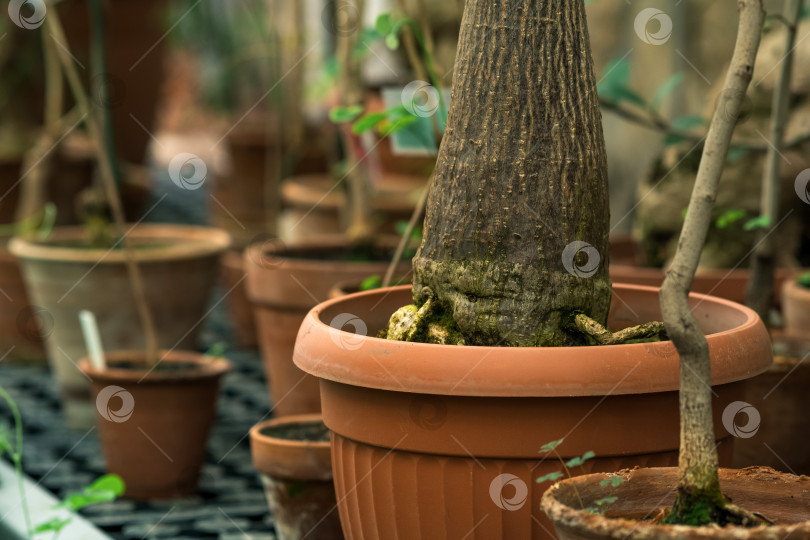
293	456
795	306
154	423
179	265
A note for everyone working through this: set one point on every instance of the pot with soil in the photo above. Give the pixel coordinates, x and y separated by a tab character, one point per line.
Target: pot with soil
451	426
645	496
796	304
154	421
293	456
284	283
179	265
775	407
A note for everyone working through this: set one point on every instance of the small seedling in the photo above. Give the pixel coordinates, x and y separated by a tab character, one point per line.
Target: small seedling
613	481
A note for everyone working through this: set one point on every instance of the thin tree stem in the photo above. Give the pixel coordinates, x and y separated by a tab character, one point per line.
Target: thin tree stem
698	454
418	211
759	295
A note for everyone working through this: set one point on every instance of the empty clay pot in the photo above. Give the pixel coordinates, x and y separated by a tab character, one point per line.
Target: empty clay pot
782	498
442	441
293	456
154	423
795	306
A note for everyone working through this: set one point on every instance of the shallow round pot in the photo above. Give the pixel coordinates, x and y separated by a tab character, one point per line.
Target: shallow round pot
435	441
284	283
728	284
782	498
154	424
179	266
778	411
297	475
795	306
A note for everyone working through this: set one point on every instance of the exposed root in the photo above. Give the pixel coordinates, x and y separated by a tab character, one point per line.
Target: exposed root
603	336
429	323
711	509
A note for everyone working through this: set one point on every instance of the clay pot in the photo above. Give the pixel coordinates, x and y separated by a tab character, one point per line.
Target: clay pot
795	306
779	399
782	498
296	469
22	325
179	266
315	203
283	284
451	428
351	286
154	423
241	311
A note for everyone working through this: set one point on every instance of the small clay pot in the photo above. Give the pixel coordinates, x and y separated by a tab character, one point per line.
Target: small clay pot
780	421
295	463
782	498
795	306
154	423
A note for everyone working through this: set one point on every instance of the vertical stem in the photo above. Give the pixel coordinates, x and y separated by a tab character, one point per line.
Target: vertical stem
759	294
410	46
99	72
16	456
698	454
54	26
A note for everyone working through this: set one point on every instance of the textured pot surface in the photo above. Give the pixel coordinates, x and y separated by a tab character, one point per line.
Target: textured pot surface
154	425
179	268
795	306
284	283
770	434
297	476
782	498
457	430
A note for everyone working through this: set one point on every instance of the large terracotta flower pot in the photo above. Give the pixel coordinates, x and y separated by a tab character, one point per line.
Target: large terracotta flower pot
179	266
439	442
284	283
154	423
782	498
771	429
795	306
293	456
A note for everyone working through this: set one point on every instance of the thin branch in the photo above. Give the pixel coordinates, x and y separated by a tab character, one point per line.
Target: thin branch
698	454
418	211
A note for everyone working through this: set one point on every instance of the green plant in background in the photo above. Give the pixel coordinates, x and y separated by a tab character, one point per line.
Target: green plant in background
106	488
613	481
804	279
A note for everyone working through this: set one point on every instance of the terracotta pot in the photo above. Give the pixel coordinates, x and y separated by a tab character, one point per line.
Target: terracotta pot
283	284
428	438
351	286
728	284
233	278
135	55
778	398
315	203
783	498
154	423
22	326
795	306
296	470
179	265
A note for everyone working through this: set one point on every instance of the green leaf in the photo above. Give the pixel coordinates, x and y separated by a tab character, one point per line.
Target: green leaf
392	41
368	122
614	85
550	477
578	461
371	282
108	482
52	525
736	154
383	24
550	446
665	89
729	217
105	489
804	280
339	115
606	500
758	222
613	481
684	123
397	124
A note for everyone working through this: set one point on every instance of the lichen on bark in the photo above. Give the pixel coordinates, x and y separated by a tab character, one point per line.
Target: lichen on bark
521	174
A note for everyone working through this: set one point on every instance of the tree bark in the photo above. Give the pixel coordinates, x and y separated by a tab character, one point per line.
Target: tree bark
699	499
521	175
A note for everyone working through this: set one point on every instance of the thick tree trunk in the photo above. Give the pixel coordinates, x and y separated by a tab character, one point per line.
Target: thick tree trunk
521	176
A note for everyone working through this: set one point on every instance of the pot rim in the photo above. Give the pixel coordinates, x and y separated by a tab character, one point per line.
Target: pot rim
320	350
287	458
189	241
624	528
207	367
792	288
